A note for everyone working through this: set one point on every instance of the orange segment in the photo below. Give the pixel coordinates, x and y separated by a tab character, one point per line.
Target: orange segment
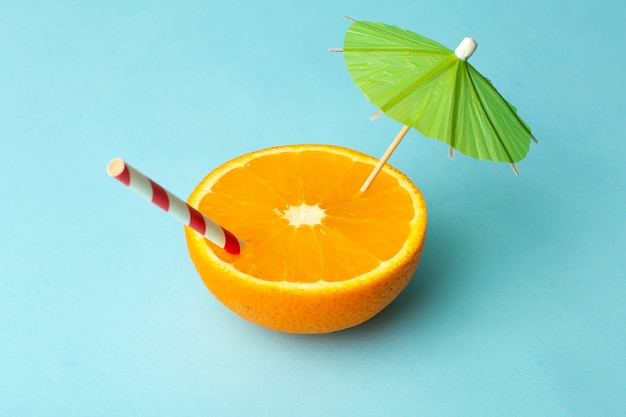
321	256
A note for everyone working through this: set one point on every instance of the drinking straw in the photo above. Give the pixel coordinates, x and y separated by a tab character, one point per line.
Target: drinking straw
188	215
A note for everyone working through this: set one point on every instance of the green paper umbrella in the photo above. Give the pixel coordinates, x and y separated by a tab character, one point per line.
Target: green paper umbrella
422	84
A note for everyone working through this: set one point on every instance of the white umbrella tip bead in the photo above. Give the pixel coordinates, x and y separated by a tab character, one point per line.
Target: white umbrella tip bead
465	49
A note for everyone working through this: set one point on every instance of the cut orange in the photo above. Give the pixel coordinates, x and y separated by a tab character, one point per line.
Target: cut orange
321	256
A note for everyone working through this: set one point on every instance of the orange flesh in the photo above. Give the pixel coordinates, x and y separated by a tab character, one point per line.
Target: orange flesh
358	231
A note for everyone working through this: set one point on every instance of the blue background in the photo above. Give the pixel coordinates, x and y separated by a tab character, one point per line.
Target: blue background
516	309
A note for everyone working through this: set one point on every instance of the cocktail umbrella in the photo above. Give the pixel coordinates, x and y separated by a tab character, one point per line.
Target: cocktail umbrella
422	84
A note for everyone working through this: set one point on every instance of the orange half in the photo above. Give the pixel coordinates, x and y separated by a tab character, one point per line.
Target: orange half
321	256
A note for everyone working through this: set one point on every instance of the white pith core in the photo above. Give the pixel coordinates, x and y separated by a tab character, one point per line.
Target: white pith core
304	215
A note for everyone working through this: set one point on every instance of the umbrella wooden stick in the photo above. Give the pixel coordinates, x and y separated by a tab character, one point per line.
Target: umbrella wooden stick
384	158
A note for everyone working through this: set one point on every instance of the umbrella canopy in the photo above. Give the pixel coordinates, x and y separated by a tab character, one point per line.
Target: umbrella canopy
422	84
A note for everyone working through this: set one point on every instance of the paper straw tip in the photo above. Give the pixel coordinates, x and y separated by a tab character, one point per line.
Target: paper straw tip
116	167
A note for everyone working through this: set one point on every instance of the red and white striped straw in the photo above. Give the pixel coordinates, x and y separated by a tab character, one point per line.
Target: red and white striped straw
188	215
